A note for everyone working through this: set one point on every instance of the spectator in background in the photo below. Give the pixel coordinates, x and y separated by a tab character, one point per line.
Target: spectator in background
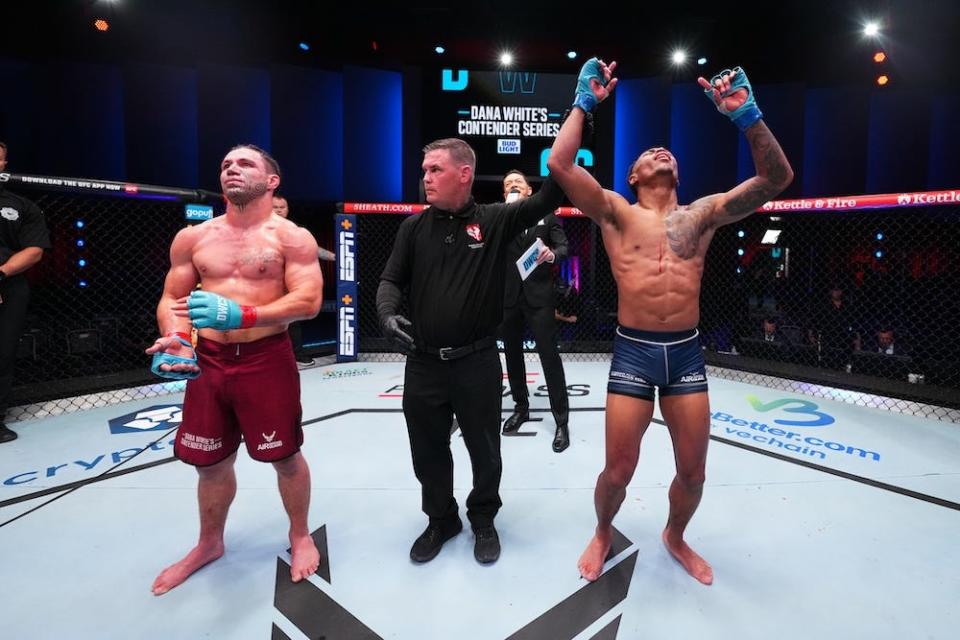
23	237
770	331
833	328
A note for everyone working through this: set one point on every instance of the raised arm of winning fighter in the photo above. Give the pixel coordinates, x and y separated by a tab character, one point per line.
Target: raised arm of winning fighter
594	85
732	94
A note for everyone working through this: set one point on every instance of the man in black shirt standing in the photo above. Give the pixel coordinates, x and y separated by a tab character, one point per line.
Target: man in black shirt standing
452	258
533	300
23	237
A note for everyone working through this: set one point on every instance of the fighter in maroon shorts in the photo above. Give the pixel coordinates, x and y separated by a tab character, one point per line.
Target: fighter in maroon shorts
258	272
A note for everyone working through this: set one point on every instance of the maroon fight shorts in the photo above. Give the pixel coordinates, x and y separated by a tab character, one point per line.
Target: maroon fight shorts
250	389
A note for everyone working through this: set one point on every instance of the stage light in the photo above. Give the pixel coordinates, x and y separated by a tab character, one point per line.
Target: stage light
81	262
439	49
571	54
701	61
79	224
101	25
871	29
879	235
506	58
879	254
83	284
739	270
304	46
80	243
882	80
741	233
740	252
679	56
879	57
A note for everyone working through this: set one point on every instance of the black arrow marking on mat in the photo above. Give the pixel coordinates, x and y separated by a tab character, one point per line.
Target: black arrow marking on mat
277	633
609	632
313	612
320	539
570	617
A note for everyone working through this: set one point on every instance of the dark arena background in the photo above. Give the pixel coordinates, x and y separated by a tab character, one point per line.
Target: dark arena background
841	296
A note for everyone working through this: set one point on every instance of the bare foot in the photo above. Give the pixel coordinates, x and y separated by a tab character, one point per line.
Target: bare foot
591	562
304	558
173	575
691	561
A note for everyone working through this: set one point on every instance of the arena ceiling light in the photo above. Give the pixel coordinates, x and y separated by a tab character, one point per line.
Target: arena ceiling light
678	57
101	25
701	61
506	58
571	54
439	49
871	29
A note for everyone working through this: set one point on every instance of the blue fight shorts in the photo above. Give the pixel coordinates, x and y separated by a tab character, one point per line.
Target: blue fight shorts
645	360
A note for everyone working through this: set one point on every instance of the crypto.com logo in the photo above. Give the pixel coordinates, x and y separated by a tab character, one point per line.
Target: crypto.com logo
796	406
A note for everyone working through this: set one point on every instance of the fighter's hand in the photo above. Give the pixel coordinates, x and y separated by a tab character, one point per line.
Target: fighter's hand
594	84
394	328
732	95
173	357
208	310
545	255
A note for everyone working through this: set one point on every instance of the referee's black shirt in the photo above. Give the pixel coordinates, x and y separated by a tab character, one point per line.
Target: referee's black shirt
21	225
454	261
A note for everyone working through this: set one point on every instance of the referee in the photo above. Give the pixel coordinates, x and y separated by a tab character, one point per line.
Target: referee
451	258
23	237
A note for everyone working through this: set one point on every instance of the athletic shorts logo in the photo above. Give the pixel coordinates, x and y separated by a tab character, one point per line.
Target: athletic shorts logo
473	230
9	213
694	377
269	444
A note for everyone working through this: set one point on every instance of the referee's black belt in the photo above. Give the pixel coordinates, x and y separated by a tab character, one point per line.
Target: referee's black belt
455	353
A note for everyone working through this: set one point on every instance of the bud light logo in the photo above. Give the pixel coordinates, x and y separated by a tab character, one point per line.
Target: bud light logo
508	146
815	418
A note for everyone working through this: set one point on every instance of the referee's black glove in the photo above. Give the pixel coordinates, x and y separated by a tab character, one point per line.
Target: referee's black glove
393	328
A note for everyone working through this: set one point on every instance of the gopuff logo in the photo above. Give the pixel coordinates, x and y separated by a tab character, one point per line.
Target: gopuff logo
903	198
157	418
803	407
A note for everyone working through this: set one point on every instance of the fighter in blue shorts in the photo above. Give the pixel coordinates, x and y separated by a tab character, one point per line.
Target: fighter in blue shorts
657	248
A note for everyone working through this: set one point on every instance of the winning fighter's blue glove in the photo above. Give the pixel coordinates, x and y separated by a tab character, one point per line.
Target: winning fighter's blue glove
747	113
584	97
160	358
211	311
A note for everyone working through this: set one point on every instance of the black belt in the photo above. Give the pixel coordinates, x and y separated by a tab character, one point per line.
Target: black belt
455	353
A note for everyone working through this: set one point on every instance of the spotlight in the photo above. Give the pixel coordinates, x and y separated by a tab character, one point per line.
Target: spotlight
879	235
740	252
80	243
879	57
79	224
871	29
739	270
506	59
83	284
571	54
101	25
701	61
81	262
879	254
741	233
439	49
679	56
304	46
883	80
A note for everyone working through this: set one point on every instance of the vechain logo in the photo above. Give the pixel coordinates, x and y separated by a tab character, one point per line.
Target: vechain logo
803	407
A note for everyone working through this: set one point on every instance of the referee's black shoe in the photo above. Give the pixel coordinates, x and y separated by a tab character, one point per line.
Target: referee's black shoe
7	435
518	417
486	547
428	545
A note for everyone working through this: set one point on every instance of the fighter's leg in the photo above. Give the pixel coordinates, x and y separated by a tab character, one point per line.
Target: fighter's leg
293	478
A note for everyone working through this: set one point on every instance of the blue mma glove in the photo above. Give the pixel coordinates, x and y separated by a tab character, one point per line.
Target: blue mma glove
746	114
211	311
584	97
160	358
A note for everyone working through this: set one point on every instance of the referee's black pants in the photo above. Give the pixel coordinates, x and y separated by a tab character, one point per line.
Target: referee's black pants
15	293
543	324
435	390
